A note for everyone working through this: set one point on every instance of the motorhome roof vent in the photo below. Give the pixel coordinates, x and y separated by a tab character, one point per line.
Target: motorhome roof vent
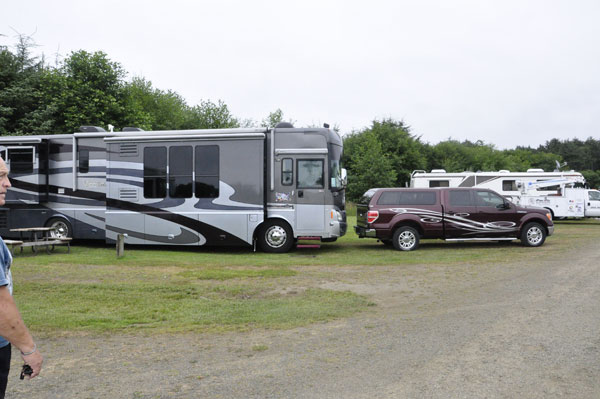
91	129
503	171
282	125
535	170
438	170
132	129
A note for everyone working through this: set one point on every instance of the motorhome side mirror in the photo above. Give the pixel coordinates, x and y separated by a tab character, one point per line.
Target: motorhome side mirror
344	177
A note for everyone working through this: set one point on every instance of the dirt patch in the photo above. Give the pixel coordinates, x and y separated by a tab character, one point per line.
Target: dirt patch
469	330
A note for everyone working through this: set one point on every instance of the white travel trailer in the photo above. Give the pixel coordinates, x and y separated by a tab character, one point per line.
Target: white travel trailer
503	182
194	187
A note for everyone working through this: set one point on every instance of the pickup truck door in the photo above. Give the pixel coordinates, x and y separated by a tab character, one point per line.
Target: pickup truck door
459	213
496	216
592	204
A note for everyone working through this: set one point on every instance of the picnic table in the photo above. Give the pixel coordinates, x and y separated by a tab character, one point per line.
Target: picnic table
39	236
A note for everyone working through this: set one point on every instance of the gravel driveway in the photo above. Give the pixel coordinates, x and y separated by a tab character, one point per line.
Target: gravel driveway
469	331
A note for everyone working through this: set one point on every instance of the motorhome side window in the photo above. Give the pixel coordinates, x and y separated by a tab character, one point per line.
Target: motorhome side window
84	161
207	171
287	172
180	171
310	173
21	160
155	172
509	185
439	183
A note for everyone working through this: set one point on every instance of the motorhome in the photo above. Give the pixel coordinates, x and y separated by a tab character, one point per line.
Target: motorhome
265	187
568	201
503	182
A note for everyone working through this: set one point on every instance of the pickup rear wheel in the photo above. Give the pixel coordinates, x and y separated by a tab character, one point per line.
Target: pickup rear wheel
533	235
406	238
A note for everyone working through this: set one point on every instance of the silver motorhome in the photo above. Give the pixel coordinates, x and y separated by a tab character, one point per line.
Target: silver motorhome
195	187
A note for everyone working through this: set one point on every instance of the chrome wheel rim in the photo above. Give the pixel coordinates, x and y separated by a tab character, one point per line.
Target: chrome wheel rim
276	236
61	230
407	240
534	235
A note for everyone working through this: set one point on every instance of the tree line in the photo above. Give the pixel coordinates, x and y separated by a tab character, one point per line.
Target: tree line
90	89
386	153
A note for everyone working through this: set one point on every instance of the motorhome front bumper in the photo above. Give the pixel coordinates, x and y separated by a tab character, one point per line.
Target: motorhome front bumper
363	232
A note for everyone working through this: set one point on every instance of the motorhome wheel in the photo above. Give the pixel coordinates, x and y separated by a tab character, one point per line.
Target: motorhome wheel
62	228
275	236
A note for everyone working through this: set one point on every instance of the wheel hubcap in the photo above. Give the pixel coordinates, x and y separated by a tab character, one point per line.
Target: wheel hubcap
276	236
406	240
534	235
61	230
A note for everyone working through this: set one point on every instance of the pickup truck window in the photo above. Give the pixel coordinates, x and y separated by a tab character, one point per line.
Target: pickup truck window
486	198
460	198
594	195
407	198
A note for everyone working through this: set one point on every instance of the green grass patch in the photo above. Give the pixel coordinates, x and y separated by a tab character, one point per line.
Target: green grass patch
112	308
228	273
161	289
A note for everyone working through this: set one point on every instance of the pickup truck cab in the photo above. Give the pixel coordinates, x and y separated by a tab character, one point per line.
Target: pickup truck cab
402	216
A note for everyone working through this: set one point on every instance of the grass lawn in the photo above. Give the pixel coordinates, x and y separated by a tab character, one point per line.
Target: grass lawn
167	289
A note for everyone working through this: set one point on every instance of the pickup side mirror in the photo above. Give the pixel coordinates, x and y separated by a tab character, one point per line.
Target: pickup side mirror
505	205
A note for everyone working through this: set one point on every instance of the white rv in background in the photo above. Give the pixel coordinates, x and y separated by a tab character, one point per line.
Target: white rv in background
503	182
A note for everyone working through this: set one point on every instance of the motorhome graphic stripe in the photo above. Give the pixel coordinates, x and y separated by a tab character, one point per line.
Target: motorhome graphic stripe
213	235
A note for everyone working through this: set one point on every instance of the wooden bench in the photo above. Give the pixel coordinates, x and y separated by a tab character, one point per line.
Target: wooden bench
49	244
12	244
41	237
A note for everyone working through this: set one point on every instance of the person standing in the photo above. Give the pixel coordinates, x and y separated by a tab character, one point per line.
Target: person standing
12	328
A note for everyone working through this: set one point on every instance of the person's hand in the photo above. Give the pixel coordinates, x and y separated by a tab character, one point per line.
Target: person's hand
34	361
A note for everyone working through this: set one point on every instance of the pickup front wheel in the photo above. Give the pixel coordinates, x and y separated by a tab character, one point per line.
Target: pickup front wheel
406	238
533	235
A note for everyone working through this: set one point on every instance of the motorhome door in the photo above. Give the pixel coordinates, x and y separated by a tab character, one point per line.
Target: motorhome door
310	194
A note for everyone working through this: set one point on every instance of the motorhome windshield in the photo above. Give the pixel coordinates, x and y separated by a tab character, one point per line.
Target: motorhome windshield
335	169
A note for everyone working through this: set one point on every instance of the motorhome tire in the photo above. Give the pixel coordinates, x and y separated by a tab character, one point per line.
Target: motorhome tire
62	227
275	237
406	238
533	235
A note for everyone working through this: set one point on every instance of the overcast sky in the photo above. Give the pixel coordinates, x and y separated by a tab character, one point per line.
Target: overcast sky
508	72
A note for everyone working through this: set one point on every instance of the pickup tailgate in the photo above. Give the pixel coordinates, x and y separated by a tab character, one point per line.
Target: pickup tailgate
361	215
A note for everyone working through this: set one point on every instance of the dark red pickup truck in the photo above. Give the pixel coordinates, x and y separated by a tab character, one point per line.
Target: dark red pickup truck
402	216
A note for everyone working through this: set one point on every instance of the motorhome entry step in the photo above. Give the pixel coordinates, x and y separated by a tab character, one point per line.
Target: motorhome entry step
314	246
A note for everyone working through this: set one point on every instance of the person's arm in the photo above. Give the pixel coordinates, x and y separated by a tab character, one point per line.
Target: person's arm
14	330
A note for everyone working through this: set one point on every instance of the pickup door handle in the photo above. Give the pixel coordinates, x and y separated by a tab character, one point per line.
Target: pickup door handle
300	194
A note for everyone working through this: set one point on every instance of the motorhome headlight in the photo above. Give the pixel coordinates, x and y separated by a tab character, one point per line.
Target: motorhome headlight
335	215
